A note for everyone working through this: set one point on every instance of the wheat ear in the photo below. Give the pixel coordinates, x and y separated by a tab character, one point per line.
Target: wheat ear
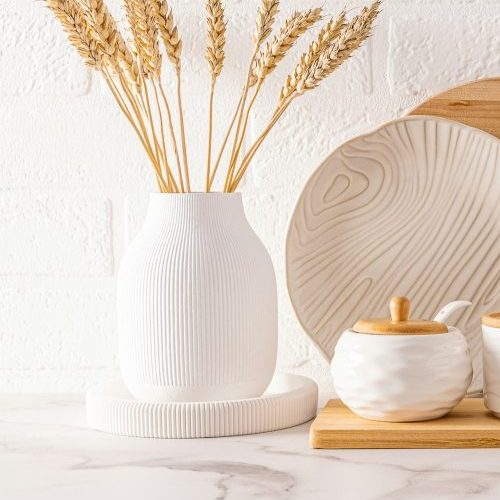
111	41
72	18
276	49
216	36
168	32
351	37
142	22
266	14
216	40
328	34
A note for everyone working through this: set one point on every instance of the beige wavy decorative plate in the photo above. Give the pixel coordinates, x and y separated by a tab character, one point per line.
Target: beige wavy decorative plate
412	208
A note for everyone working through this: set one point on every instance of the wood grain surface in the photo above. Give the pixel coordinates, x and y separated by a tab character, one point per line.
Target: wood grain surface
410	209
469	425
476	104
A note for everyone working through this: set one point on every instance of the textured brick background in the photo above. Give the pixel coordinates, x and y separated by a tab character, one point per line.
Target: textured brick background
74	181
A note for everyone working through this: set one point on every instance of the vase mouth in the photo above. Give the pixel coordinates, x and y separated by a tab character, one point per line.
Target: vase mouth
201	204
195	194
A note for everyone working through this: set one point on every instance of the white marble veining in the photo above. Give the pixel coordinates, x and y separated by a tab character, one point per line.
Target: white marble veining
47	453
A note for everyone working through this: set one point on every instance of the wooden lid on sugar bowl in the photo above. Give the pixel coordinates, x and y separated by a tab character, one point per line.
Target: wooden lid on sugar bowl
491	319
399	322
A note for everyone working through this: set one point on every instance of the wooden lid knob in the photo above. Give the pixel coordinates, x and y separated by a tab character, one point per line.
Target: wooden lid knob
400	309
399	324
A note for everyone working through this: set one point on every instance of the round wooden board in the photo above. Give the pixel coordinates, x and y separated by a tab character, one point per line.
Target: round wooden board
476	104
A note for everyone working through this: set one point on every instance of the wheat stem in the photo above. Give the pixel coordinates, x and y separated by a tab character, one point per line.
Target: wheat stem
240	117
145	143
167	165
133	102
210	124
150	120
121	103
224	142
251	152
183	132
163	148
245	122
172	134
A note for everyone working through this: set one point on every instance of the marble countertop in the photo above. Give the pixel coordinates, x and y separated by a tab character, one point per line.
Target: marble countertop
46	452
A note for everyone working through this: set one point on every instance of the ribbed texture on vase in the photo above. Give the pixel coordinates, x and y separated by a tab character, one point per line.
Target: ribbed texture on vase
197	306
289	401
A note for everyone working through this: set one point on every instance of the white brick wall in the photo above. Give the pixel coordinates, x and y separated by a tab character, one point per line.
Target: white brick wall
74	182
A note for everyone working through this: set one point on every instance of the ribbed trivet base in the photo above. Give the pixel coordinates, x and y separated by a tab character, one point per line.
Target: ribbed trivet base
290	400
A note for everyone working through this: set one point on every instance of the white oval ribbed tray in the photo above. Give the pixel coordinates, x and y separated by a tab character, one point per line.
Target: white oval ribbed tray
290	400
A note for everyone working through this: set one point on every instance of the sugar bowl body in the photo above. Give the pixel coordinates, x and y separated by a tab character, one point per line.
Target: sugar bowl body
399	370
491	361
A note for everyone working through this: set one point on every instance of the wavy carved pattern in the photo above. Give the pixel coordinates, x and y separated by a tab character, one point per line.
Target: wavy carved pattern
413	209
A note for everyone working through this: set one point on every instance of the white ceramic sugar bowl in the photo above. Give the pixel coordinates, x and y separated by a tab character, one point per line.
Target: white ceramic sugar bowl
401	370
491	361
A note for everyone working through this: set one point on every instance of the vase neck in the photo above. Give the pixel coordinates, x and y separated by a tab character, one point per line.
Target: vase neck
201	207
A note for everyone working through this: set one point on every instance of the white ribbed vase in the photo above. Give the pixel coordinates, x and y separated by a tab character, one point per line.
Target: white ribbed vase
197	303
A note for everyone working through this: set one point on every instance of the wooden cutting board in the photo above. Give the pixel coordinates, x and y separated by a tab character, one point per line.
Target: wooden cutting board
469	425
476	104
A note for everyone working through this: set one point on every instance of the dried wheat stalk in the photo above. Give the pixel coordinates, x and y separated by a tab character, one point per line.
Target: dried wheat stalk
268	59
168	32
266	15
142	21
173	46
326	36
349	39
72	18
276	49
111	41
216	30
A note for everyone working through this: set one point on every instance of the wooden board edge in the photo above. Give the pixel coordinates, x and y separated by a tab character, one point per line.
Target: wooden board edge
392	439
322	436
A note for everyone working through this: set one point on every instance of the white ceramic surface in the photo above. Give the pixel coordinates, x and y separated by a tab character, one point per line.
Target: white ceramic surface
197	303
401	378
412	208
491	368
290	400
